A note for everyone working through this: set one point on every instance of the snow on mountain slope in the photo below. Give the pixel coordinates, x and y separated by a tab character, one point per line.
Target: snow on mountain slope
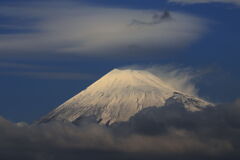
191	103
119	95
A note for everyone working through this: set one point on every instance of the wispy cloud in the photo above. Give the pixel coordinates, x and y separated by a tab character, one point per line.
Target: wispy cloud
97	31
180	78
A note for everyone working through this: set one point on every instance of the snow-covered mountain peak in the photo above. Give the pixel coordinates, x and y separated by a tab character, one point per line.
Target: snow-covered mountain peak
119	95
128	79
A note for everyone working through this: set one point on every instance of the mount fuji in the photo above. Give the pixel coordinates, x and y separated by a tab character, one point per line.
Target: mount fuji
121	94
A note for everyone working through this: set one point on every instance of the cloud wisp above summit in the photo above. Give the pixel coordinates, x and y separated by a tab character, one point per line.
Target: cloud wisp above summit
96	31
179	78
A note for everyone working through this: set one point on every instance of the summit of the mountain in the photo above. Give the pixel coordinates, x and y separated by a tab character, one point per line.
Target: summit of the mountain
119	95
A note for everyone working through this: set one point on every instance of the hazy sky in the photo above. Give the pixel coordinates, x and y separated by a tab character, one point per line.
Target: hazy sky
51	50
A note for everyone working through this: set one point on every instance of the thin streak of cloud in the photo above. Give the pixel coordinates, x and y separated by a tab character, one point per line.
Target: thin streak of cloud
51	75
11	65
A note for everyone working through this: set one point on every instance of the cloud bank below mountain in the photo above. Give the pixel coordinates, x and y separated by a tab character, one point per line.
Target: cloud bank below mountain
211	134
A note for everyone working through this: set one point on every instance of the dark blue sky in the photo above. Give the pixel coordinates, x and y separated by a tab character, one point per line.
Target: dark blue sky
26	96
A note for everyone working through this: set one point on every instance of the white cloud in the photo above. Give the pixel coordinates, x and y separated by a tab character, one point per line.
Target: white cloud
177	77
96	31
206	1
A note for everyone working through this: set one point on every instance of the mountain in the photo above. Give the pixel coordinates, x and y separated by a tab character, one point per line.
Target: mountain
121	94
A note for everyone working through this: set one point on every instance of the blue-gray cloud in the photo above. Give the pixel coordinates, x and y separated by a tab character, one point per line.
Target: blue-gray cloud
97	31
237	2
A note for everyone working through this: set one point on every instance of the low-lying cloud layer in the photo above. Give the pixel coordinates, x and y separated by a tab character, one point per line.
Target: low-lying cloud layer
210	134
96	31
